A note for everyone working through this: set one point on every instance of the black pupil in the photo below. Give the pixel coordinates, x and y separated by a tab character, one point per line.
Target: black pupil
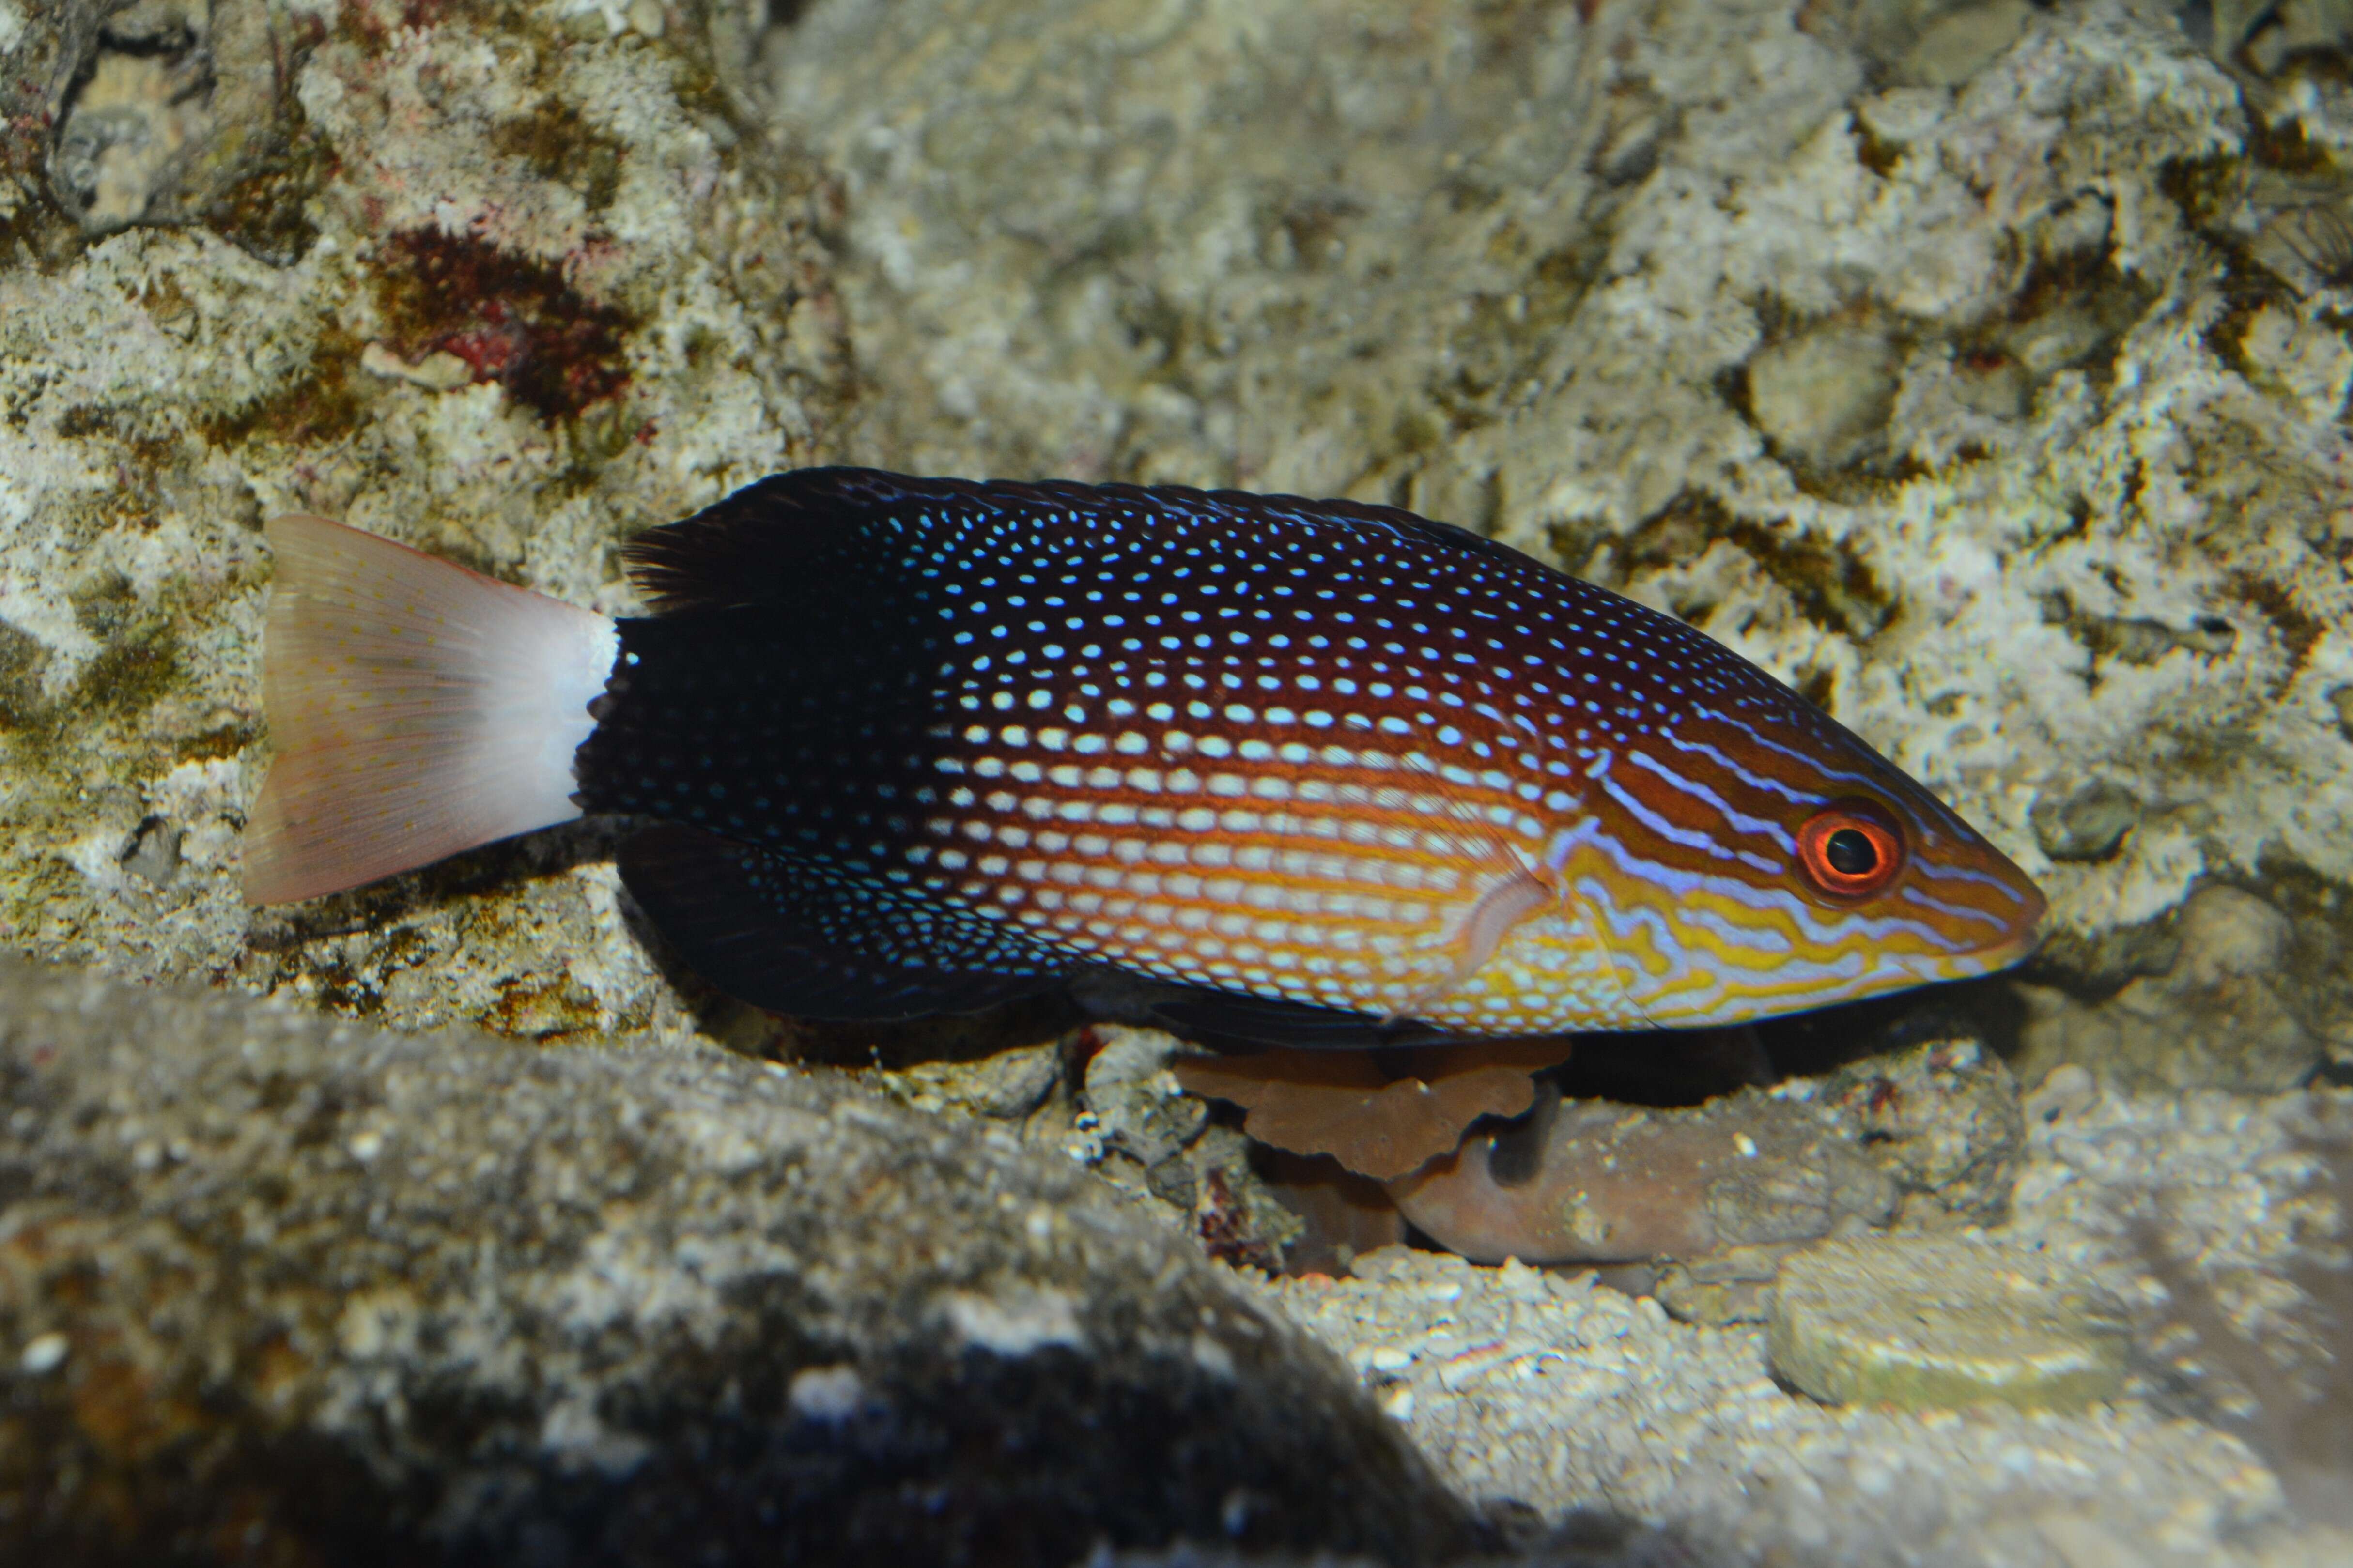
1850	853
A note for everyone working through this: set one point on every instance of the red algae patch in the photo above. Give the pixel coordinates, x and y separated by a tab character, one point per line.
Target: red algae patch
512	319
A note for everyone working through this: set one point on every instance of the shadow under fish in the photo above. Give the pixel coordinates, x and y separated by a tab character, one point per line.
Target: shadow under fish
1307	774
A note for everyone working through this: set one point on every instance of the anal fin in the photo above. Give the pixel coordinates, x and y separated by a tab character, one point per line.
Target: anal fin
804	938
1192	1010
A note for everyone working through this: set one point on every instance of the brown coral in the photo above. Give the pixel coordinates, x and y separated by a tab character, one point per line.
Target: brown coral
1379	1113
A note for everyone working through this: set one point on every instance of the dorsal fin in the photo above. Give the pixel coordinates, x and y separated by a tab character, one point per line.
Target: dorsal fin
754	547
758	545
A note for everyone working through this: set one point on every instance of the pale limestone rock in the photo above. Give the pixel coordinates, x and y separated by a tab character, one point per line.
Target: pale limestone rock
2222	1013
1934	1323
463	278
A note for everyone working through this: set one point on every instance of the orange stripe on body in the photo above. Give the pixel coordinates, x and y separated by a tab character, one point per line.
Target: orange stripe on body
1348	893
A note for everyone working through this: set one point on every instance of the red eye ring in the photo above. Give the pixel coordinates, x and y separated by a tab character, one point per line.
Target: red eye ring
1851	849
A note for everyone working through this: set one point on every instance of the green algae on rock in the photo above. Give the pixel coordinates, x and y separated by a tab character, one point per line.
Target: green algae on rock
1934	1323
342	1295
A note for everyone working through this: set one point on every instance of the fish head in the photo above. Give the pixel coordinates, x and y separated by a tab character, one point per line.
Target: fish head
1752	857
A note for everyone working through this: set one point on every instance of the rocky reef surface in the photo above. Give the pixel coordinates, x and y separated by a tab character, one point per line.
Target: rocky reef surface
1545	1388
1979	366
1974	367
505	283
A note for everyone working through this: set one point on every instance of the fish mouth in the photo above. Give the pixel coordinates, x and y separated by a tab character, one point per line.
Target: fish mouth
2013	905
1944	968
2025	937
2007	954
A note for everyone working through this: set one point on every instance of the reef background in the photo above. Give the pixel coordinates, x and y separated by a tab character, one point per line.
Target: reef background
1979	367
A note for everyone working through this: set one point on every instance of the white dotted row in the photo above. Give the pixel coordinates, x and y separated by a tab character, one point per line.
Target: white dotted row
1129	862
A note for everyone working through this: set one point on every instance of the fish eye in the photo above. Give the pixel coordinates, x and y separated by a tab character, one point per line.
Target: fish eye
1850	853
1851	849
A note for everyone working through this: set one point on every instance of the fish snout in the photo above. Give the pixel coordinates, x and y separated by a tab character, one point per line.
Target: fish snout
1986	913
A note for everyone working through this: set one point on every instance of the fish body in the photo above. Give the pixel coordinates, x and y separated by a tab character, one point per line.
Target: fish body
1313	772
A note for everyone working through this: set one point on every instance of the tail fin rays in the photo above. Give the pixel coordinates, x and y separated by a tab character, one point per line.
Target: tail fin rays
417	709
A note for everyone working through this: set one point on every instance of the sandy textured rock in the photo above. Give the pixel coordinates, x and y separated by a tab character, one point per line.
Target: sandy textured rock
1101	1097
507	284
2225	1009
1587	1181
342	1296
1139	1108
1006	1085
1942	1118
1926	353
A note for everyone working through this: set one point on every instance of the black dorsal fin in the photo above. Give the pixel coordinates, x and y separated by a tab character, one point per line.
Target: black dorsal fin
806	938
759	545
754	547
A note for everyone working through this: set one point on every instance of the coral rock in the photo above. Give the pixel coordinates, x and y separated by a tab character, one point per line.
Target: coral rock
606	303
1003	1086
1137	1102
1944	1118
2226	1011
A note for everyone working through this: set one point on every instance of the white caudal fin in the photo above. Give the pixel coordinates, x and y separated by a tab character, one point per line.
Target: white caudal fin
417	709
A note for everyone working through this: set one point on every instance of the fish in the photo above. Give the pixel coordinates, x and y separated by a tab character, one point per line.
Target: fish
1303	772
